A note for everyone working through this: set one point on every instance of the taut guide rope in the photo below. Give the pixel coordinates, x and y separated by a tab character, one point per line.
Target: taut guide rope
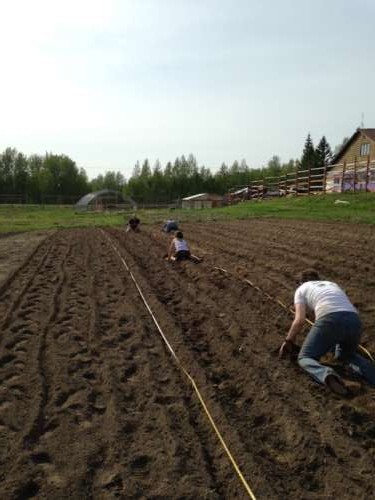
186	373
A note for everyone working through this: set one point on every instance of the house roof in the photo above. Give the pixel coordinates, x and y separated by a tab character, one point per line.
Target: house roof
368	132
203	196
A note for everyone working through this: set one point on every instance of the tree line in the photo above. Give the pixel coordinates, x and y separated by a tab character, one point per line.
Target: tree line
184	177
49	178
40	179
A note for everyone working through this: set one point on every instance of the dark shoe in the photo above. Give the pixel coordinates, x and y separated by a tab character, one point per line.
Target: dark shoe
336	385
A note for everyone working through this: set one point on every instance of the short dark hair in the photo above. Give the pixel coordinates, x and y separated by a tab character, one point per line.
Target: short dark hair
179	235
308	275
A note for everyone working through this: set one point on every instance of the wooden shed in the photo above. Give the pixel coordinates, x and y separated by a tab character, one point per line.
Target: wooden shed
203	200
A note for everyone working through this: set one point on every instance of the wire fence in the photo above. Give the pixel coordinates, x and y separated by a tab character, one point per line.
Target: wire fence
46	199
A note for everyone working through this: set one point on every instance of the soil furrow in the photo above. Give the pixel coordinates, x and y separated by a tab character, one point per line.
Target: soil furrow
23	281
318	437
191	334
92	404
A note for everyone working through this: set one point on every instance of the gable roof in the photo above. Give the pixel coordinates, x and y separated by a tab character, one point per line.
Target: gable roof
368	132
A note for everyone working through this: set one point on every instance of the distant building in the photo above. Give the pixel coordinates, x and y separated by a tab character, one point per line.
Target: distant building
202	200
353	167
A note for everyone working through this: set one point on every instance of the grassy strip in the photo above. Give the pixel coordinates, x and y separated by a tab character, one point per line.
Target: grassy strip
360	209
16	218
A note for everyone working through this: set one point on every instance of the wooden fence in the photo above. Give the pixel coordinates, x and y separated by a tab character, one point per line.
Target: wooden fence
344	177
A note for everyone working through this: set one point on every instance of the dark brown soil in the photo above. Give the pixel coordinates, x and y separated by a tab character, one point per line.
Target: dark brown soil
92	404
14	249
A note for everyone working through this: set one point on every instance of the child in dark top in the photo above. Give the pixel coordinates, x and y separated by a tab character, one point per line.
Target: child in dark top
133	224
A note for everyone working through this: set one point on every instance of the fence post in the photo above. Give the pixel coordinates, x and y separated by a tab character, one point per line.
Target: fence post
355	173
308	179
297	179
325	178
367	173
343	176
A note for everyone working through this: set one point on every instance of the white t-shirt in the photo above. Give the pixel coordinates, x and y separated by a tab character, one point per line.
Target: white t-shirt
180	245
323	297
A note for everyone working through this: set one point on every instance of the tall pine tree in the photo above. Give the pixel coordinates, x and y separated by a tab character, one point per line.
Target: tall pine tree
308	155
323	153
323	157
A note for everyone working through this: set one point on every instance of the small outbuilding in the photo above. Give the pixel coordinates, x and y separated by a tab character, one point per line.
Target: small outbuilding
203	200
106	199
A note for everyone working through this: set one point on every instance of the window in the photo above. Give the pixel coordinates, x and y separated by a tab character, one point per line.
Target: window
365	149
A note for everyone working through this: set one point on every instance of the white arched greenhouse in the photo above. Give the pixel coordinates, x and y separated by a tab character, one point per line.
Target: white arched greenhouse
106	199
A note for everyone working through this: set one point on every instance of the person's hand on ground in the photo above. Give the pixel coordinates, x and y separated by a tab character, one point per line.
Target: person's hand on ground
286	348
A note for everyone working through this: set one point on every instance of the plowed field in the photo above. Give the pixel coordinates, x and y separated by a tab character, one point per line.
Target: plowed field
92	404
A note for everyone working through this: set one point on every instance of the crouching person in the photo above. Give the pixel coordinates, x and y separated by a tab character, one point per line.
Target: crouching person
178	249
337	329
170	225
133	224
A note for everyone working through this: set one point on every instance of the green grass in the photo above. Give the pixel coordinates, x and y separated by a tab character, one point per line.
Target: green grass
15	218
361	209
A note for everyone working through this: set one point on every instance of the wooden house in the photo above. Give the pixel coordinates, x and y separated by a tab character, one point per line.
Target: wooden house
359	147
353	167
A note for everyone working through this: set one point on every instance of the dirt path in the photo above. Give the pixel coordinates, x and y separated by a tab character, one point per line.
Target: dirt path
93	406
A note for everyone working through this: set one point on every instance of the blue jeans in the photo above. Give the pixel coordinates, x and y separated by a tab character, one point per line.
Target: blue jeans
338	332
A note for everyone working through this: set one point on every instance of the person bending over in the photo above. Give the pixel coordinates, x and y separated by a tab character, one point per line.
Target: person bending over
337	329
178	249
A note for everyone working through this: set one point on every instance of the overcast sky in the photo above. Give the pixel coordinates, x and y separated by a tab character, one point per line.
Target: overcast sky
110	82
